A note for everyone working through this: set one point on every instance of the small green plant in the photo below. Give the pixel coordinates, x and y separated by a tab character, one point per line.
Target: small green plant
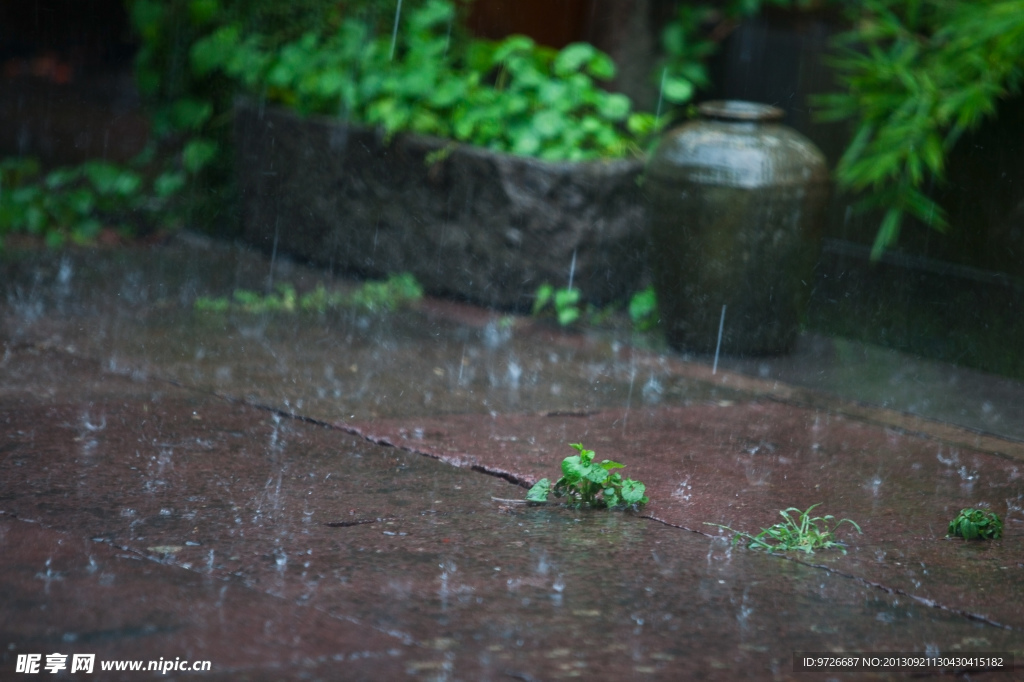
374	297
976	524
803	533
565	303
643	310
388	295
591	484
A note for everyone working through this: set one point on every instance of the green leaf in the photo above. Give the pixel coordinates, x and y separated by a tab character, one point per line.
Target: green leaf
62	176
544	295
573	57
548	123
573	470
888	233
189	113
526	143
567	316
633	491
110	179
565	298
168	183
81	201
197	154
677	90
510	46
595	473
614	106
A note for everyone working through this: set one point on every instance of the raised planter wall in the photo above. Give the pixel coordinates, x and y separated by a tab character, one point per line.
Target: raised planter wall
473	224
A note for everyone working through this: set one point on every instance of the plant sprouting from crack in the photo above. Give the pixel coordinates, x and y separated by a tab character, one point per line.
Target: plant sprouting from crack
565	303
589	483
392	293
976	524
802	533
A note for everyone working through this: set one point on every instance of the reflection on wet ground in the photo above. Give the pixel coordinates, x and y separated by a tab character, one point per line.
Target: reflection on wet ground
252	490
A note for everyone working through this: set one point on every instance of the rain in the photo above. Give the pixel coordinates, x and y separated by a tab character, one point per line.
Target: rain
299	304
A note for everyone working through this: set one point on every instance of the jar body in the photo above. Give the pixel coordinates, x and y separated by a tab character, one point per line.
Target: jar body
737	207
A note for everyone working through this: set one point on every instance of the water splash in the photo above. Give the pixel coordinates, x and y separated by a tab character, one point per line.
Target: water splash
557	587
447	569
652	391
683	490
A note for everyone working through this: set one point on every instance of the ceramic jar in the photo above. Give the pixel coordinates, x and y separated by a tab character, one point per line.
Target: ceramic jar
737	204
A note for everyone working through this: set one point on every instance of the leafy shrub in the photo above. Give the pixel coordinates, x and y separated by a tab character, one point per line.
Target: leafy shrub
512	96
915	76
74	203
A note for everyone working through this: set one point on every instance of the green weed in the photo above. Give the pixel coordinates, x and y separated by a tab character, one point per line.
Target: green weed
976	524
373	297
643	310
564	302
802	533
566	306
591	484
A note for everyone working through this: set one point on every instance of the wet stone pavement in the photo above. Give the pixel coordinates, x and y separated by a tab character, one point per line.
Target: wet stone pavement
303	496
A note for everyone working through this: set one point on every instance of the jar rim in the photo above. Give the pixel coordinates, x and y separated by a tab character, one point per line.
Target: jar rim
740	110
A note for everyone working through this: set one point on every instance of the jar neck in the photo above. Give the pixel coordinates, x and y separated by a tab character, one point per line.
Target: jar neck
738	112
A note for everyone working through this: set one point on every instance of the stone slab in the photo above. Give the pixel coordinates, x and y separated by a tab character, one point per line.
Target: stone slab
739	463
303	516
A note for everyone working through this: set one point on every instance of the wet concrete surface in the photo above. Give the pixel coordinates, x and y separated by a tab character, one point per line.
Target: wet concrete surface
175	483
739	463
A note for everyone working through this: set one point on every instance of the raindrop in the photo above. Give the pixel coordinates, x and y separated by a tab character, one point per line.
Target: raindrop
661	93
718	346
394	31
